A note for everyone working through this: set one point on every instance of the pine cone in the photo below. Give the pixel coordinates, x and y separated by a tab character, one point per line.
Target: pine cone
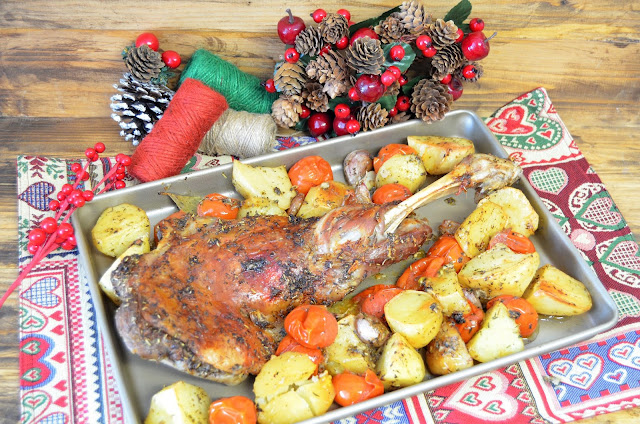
365	56
430	100
315	97
289	78
414	18
286	111
401	117
333	27
144	63
442	33
391	29
478	74
372	116
331	70
309	42
138	107
447	60
393	89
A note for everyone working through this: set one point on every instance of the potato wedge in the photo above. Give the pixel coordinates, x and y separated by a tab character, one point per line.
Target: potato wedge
348	352
263	181
446	288
138	247
180	403
440	154
416	315
118	227
498	336
259	206
323	198
447	352
476	230
552	292
407	170
499	271
522	218
400	365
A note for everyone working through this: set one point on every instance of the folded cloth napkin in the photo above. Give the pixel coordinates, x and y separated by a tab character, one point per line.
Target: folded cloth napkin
66	377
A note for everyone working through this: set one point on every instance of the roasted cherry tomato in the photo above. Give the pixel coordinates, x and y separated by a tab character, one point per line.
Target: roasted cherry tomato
390	193
232	410
312	326
289	344
514	241
447	247
352	388
469	324
309	172
373	299
425	267
391	150
220	206
521	310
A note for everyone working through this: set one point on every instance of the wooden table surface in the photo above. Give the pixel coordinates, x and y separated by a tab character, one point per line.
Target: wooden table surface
59	60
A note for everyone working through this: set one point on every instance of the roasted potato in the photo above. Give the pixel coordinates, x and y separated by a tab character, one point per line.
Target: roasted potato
521	217
138	247
440	154
118	227
400	365
498	336
499	271
263	181
179	403
446	288
323	198
552	292
447	352
407	170
416	315
476	230
348	352
287	391
258	206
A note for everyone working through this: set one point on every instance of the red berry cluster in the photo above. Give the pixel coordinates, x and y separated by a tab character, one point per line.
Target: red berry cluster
169	57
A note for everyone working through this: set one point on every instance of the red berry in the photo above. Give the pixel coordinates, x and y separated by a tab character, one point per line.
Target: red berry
369	87
342	43
289	27
387	78
67	246
325	49
319	123
87	195
291	55
393	112
171	59
460	35
120	184
270	86
363	32
83	176
61	196
340	125
318	15
32	248
94	158
99	147
423	42
89	153
64	230
37	236
476	24
120	175
475	46
72	240
66	189
76	167
403	103
54	205
430	51
446	79
469	72
396	53
49	225
455	88
305	112
124	159
353	126
353	94
402	80
342	111
395	71
345	13
148	39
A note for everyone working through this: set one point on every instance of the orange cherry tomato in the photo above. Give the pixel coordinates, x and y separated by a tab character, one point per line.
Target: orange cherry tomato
233	410
220	206
391	150
521	310
289	344
447	247
309	172
390	193
352	388
312	326
373	299
469	324
425	267
514	241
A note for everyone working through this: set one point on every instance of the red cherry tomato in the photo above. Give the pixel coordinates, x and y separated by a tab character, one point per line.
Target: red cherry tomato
447	247
521	310
373	299
469	324
309	172
312	326
514	241
351	388
390	193
219	206
289	344
389	151
233	410
148	39
425	267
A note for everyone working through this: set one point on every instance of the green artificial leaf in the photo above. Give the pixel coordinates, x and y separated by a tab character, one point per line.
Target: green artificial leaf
185	203
387	102
408	87
407	60
305	59
459	12
301	125
373	21
164	76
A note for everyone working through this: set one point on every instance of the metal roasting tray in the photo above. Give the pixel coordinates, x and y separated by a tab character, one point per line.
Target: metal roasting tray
139	379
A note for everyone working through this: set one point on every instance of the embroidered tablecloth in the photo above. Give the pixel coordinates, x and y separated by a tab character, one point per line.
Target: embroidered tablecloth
66	377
